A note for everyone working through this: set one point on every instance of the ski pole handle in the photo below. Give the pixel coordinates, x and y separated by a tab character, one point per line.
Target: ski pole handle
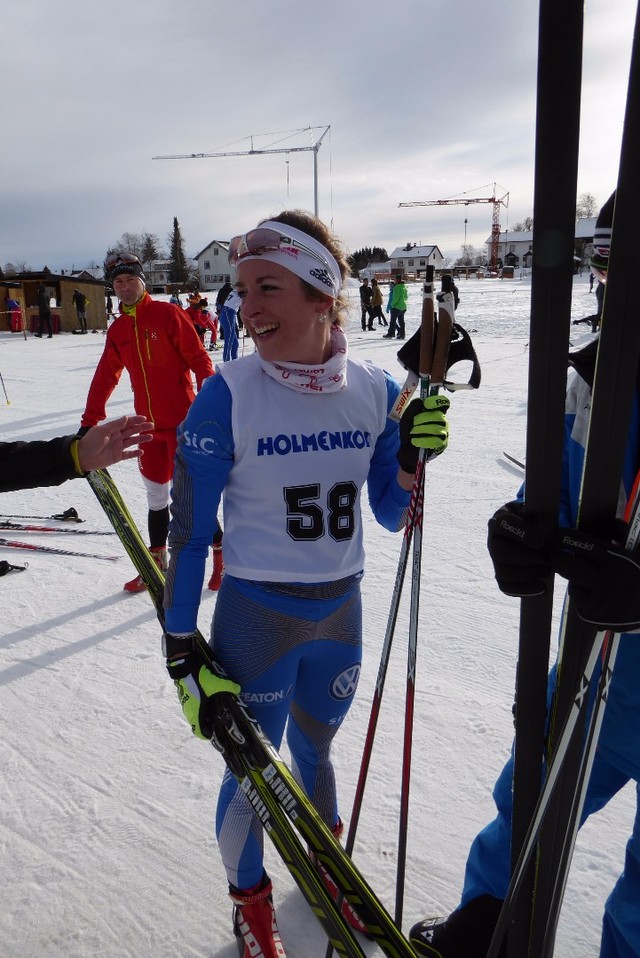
427	326
446	315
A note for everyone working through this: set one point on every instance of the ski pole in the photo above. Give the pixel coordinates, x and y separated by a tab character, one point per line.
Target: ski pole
605	645
69	515
405	396
434	351
5	390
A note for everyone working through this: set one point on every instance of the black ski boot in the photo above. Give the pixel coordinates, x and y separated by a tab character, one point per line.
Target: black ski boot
466	933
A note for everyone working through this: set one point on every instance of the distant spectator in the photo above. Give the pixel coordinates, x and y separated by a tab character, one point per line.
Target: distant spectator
44	310
80	301
228	325
376	303
223	292
366	310
194	312
398	301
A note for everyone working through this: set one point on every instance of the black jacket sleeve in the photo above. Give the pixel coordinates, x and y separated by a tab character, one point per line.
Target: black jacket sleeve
27	465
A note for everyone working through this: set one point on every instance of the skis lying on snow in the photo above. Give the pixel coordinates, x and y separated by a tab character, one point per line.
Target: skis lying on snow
25	527
538	906
287	815
69	515
34	547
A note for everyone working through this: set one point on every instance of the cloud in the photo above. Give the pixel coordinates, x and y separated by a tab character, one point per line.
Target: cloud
424	101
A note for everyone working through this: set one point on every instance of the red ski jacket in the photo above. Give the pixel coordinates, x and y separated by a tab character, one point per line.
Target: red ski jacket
158	346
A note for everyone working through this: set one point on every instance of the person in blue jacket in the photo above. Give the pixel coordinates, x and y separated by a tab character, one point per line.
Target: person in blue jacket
288	436
606	590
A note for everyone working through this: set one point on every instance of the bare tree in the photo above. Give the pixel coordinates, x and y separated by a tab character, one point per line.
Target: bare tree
468	256
586	206
20	266
525	226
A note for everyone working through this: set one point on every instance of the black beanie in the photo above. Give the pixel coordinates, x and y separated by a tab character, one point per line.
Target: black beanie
135	269
602	236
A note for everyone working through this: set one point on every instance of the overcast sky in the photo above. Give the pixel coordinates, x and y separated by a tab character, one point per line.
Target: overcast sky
425	100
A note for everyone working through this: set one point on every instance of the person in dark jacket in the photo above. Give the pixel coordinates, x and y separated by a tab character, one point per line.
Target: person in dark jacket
604	582
30	465
223	292
79	300
44	311
366	309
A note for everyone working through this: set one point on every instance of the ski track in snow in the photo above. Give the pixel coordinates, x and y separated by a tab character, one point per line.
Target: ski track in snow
107	801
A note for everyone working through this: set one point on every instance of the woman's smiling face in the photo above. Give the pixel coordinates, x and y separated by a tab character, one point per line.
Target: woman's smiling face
283	320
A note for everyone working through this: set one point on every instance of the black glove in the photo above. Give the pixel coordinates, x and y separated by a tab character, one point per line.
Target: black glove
423	426
521	559
604	579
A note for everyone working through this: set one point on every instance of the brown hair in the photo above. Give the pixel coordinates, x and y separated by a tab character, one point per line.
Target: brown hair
312	226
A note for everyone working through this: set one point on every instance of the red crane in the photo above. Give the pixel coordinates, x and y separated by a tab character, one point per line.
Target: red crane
467	201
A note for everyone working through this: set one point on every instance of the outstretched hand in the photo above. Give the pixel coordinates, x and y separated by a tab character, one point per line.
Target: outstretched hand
111	442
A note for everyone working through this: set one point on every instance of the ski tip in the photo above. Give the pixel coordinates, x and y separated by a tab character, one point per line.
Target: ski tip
514	462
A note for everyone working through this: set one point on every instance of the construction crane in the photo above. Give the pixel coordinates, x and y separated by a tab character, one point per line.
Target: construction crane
464	200
314	147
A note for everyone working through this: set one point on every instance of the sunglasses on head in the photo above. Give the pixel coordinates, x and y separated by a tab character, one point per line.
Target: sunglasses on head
116	259
266	240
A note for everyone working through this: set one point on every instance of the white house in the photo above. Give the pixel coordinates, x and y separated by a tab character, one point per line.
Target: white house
515	247
412	260
213	265
376	271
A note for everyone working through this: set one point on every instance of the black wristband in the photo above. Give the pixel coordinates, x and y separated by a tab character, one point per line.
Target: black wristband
177	644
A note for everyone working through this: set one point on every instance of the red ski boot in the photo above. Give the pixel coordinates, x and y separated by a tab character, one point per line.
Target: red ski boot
254	921
159	555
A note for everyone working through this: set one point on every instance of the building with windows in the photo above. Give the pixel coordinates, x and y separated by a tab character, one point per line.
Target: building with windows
412	260
515	248
213	265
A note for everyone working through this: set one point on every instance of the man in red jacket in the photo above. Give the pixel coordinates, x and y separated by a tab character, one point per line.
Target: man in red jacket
158	346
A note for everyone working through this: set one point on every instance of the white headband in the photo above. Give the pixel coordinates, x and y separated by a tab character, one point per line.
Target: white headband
318	268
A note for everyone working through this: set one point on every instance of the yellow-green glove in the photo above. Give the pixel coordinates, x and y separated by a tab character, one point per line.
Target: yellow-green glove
423	426
195	683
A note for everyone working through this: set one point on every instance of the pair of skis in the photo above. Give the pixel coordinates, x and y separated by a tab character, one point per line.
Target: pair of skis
30	527
532	907
69	515
286	813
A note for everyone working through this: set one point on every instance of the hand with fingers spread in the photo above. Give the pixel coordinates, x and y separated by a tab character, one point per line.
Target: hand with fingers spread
110	442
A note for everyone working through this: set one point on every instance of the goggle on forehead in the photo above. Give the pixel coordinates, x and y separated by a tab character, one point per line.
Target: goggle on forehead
120	259
266	240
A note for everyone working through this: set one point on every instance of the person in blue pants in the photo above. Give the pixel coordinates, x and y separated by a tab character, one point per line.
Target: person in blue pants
229	323
288	435
606	589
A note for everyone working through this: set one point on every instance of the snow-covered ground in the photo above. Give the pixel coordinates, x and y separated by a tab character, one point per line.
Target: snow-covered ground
107	846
